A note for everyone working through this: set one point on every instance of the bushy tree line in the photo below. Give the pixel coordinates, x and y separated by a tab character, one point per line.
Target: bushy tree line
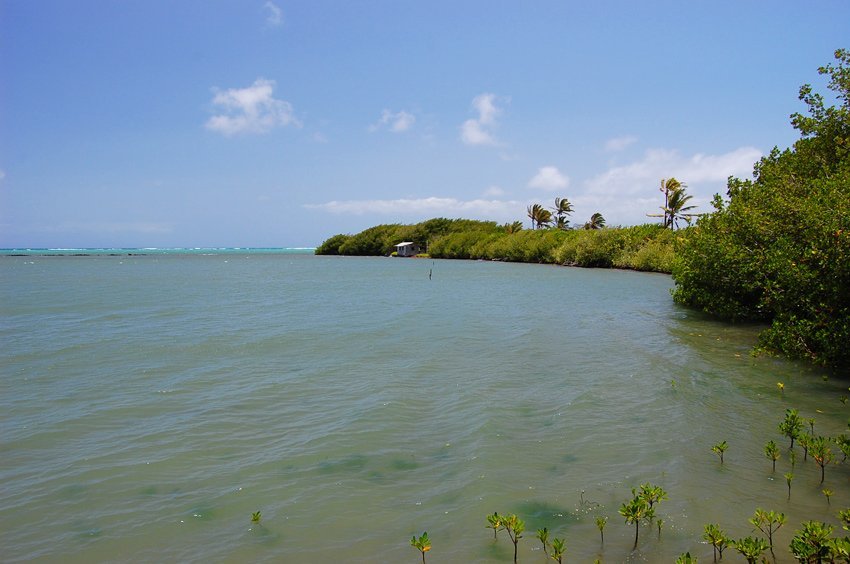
381	239
643	247
779	249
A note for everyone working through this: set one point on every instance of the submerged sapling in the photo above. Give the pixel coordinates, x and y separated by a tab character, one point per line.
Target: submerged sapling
788	477
543	537
600	524
514	526
771	451
494	522
255	517
750	548
718	539
423	544
719	449
768	522
827	493
558	547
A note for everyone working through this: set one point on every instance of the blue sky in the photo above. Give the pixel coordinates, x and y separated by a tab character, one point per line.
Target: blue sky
279	123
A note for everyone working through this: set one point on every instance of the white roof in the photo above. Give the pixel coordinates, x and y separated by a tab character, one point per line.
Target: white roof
405	244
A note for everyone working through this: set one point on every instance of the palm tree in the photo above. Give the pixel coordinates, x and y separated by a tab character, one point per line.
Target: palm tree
544	218
676	207
562	209
539	216
596	222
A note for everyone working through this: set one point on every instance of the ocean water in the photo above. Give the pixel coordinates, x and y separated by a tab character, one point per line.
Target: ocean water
150	403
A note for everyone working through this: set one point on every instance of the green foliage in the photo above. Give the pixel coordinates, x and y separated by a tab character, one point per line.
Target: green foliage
750	548
768	522
717	538
686	558
331	246
635	512
821	453
514	526
255	517
543	537
719	449
812	543
601	521
792	425
558	548
779	250
788	478
380	240
771	451
423	544
494	522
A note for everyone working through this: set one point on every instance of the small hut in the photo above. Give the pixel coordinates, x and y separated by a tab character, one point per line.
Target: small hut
407	249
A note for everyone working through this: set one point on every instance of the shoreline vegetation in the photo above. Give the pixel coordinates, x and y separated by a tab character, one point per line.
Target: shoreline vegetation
776	250
642	247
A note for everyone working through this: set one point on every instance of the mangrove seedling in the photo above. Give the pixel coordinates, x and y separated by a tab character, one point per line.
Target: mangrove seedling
811	422
718	539
750	548
494	522
792	456
636	511
255	517
558	547
812	542
821	453
651	494
719	449
781	386
514	526
788	477
791	425
686	558
768	522
660	524
803	441
423	544
771	451
827	493
543	537
601	521
844	516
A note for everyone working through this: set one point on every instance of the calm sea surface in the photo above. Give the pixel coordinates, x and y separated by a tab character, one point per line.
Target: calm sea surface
149	404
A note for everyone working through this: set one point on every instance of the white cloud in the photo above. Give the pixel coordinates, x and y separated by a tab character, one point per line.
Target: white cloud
619	143
625	194
395	122
479	131
549	178
494	209
274	15
250	110
494	191
663	163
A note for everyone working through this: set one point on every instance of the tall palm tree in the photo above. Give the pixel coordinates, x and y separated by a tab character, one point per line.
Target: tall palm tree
676	207
675	199
596	222
562	209
544	218
539	216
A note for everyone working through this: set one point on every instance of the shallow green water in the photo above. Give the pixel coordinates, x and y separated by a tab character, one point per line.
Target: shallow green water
150	404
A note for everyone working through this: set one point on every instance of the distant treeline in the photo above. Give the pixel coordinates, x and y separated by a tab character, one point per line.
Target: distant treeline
643	247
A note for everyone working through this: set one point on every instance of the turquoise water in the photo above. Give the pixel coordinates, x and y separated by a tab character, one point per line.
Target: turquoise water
149	404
